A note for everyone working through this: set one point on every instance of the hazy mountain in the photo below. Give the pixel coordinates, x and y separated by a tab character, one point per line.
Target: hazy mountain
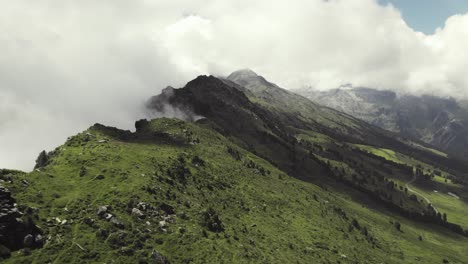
247	173
438	121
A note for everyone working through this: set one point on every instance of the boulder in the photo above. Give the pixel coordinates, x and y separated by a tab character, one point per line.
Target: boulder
28	240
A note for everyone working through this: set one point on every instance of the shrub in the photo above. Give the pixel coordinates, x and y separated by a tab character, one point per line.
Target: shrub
234	153
397	226
211	220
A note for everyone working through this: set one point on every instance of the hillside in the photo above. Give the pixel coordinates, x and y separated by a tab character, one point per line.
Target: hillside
248	176
440	122
179	192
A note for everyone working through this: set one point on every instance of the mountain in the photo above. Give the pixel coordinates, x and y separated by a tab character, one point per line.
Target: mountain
440	122
247	173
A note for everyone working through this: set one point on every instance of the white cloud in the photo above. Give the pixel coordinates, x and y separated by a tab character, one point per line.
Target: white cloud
65	64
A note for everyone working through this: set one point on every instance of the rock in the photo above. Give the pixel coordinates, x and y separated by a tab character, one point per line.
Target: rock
108	216
143	206
25	251
141	125
169	219
136	212
15	233
158	258
117	222
101	210
162	224
28	240
39	240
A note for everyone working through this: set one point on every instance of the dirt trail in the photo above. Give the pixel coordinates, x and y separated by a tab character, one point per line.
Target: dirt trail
417	193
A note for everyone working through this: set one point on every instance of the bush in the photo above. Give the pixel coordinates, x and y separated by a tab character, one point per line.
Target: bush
234	153
211	220
178	170
355	224
397	226
197	161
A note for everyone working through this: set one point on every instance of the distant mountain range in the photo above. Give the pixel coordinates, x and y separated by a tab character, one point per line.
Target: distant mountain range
441	122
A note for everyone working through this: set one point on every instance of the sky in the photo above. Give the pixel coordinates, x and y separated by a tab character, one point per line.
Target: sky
428	15
66	64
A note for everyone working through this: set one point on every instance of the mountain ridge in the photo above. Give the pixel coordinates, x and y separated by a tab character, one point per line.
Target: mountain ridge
243	175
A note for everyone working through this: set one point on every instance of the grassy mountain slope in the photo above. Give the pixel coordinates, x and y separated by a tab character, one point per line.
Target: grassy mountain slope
263	119
252	177
182	192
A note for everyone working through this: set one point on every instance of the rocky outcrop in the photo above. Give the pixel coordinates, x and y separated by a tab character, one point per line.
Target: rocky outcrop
17	230
42	160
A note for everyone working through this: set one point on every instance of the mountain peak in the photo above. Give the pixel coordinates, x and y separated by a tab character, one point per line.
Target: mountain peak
242	73
250	80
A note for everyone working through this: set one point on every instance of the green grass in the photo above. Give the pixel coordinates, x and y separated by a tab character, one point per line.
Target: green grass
406	243
387	154
455	208
434	151
313	137
445	181
268	217
396	157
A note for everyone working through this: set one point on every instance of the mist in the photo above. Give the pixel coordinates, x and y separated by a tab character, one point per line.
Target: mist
65	65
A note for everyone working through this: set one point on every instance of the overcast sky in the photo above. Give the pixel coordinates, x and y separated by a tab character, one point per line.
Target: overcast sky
66	64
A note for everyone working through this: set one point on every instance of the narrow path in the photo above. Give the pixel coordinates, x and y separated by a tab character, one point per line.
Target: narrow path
415	192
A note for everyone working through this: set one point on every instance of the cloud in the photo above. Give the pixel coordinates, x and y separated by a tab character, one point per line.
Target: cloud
65	64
